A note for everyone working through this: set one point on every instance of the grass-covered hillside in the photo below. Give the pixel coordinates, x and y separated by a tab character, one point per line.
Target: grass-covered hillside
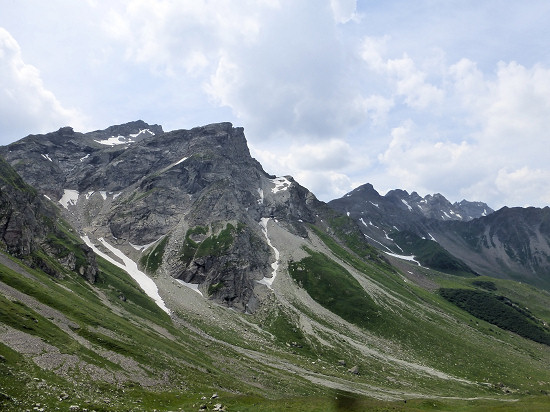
342	327
337	333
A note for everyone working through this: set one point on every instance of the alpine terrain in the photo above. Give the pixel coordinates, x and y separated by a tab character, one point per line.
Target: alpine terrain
151	270
466	238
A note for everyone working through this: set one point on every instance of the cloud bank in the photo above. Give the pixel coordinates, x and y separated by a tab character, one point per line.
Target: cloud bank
337	93
25	103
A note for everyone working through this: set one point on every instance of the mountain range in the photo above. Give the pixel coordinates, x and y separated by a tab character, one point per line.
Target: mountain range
144	269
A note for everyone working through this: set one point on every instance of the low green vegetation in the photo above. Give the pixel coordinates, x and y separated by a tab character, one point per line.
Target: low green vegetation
485	284
9	177
152	260
217	244
347	231
431	254
500	311
197	244
334	288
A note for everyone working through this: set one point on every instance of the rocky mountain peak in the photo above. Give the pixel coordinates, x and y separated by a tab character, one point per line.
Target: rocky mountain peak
133	184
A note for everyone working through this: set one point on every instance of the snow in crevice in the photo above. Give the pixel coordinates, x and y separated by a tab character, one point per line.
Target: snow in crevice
192	286
409	258
406	204
261	199
183	159
275	265
85	157
142	248
129	266
47	157
456	214
47	197
114	141
116	195
380	243
142	131
70	197
431	237
281	183
374	204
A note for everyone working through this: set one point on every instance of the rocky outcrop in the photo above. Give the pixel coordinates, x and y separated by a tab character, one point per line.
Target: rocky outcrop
30	228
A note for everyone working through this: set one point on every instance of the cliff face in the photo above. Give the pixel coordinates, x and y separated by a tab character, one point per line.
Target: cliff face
30	230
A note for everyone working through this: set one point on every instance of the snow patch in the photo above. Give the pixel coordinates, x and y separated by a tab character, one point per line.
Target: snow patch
431	237
142	131
85	157
114	141
128	265
409	258
103	194
281	183
347	213
116	195
47	157
275	265
192	286
89	194
261	199
141	248
406	204
70	197
183	159
47	197
374	240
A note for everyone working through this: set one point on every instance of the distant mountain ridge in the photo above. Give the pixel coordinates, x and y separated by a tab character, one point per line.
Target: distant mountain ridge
464	237
434	206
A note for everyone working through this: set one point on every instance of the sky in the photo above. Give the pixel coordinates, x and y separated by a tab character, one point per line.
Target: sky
432	96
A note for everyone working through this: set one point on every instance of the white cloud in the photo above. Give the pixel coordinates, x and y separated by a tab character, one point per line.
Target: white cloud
344	10
323	167
407	80
279	66
522	185
325	185
323	89
25	103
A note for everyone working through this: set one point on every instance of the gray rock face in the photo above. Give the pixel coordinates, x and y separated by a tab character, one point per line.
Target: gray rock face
197	195
378	216
29	224
510	243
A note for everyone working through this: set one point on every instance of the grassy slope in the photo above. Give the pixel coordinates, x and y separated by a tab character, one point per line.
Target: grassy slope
457	346
186	365
443	337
